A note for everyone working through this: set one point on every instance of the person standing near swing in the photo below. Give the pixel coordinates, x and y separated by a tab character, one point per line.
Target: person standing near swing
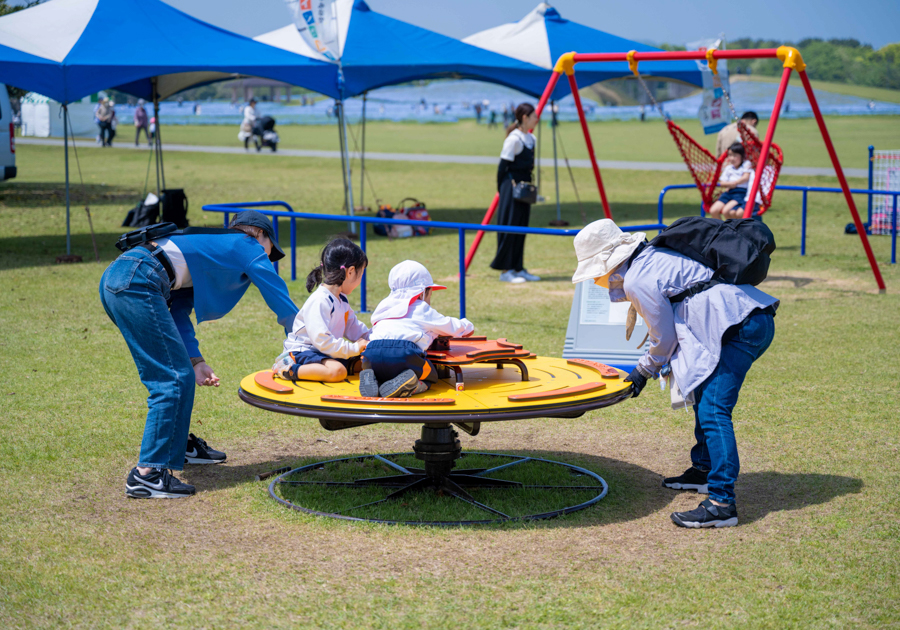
516	166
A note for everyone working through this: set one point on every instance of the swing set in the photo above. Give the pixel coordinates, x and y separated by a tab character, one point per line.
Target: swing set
705	168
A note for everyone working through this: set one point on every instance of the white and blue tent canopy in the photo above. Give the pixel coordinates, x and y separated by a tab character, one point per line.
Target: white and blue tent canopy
376	50
542	36
68	49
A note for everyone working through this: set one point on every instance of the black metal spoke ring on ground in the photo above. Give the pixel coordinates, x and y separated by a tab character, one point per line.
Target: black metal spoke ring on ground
452	483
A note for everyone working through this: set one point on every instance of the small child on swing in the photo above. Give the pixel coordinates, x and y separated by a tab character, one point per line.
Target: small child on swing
737	172
394	363
326	339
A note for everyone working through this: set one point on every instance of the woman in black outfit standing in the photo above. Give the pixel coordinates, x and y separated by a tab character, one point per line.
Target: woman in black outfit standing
516	165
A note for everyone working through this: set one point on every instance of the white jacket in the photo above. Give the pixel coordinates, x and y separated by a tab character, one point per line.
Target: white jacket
327	324
421	325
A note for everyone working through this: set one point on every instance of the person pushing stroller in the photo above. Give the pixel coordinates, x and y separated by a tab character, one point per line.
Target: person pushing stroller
394	363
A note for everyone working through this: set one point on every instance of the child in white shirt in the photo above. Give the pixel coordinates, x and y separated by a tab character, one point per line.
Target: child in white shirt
403	326
326	339
734	178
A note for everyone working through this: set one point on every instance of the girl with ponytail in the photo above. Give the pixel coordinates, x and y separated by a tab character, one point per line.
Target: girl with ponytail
327	339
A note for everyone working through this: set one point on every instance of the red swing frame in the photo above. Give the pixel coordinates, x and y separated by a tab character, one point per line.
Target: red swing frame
792	62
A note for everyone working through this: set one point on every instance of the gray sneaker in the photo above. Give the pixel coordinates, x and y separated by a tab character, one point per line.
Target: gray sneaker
511	276
528	277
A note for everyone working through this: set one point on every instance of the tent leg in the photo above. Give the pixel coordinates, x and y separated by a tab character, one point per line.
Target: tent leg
66	145
843	180
362	158
156	135
349	177
553	123
538	157
339	107
767	143
590	146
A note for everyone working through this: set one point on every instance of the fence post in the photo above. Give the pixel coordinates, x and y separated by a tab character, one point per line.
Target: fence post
362	287
803	226
462	272
871	178
293	249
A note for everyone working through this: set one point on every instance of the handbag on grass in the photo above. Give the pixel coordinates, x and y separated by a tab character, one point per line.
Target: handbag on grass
526	192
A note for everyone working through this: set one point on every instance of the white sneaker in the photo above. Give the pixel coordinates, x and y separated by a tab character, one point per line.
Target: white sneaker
511	276
528	277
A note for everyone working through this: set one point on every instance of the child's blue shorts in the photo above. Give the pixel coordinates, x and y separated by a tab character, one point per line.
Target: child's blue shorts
735	194
314	356
390	357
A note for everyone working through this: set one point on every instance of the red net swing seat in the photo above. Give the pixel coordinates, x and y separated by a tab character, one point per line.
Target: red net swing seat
706	168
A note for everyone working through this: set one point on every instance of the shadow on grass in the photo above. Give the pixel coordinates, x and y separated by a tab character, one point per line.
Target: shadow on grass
635	492
38	194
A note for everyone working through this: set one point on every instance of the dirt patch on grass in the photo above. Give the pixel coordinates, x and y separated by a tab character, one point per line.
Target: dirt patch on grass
232	519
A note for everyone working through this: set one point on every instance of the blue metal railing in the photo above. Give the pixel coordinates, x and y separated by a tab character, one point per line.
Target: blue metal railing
462	228
806	190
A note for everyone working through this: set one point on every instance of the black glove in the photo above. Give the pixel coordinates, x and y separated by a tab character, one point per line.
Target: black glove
637	380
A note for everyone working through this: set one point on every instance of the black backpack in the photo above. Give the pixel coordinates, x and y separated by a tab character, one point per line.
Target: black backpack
738	250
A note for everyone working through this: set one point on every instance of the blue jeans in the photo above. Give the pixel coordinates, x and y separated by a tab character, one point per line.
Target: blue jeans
134	290
716	448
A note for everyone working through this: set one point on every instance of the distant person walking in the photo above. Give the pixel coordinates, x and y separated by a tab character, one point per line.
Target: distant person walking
104	116
141	122
516	165
246	131
113	122
729	134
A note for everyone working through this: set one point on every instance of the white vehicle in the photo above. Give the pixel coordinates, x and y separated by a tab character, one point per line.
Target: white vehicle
7	137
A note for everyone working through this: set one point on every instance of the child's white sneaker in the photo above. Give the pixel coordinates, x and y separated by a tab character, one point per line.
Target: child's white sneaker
282	366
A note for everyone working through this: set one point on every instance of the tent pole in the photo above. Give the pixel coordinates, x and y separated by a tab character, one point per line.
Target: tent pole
553	123
66	145
362	158
339	107
349	177
156	134
162	164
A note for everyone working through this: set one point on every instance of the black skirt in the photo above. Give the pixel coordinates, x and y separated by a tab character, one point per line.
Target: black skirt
510	247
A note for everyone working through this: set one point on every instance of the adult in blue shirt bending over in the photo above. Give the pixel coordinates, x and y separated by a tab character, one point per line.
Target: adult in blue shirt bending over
149	293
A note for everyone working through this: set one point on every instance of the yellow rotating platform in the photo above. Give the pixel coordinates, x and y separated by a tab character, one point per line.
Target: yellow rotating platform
554	388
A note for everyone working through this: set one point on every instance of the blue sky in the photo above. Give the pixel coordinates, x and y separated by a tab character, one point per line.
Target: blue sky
674	21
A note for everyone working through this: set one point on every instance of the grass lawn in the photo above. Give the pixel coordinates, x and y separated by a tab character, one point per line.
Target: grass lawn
862	91
614	140
819	540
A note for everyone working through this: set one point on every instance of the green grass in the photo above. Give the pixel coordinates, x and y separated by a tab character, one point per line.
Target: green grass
614	140
862	91
818	545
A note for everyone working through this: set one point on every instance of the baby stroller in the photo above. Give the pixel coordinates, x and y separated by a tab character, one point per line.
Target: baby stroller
264	133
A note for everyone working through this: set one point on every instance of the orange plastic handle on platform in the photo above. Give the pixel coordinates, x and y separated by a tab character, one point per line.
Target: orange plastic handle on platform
604	370
267	381
565	392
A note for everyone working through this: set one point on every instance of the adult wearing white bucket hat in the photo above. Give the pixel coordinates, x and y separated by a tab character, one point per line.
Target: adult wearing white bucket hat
709	341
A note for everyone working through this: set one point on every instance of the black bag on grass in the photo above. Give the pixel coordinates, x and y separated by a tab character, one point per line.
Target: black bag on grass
738	250
142	215
175	207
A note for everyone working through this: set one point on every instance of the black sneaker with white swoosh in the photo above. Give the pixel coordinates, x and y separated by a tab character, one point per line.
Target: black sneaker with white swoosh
199	452
157	484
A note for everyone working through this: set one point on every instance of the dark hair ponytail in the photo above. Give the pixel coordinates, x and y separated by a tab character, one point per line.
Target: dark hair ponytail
523	110
338	256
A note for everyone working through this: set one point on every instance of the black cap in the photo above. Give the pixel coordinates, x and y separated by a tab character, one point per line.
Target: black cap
261	221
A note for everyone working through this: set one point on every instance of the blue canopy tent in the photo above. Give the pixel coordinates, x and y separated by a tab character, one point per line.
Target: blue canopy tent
68	49
376	50
542	36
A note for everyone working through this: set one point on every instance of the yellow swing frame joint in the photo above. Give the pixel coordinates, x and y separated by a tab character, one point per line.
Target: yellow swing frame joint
566	64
